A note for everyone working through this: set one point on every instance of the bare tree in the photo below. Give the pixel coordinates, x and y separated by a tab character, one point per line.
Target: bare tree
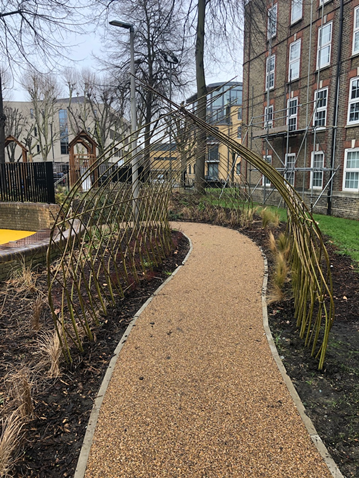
15	126
94	106
32	32
158	30
44	92
223	22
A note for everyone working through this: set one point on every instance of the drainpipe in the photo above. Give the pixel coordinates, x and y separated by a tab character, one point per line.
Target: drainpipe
336	104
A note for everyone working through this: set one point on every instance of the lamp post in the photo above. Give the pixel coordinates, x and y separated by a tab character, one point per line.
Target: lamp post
171	59
135	185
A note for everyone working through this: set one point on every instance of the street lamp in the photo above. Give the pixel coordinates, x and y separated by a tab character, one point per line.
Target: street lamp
171	59
135	185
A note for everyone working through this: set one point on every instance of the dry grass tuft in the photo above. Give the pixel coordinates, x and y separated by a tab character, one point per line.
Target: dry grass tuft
275	294
269	218
50	349
283	244
187	213
221	218
37	309
19	388
10	439
246	217
281	270
23	278
272	244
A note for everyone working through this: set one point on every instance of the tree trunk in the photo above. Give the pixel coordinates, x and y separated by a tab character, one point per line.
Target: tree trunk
201	96
2	127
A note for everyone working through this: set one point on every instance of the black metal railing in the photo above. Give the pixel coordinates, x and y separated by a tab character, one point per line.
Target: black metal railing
27	182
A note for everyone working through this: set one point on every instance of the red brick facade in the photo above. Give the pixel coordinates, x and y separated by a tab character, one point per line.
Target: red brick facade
320	128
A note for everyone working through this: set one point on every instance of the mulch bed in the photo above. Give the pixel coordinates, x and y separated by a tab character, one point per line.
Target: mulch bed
62	406
330	396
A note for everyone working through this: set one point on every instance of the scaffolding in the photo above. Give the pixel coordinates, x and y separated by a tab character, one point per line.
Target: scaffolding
261	127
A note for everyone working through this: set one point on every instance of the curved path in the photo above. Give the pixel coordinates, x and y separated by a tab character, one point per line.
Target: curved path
195	391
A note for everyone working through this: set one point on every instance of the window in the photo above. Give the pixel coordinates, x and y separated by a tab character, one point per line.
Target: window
294	60
320	108
189	169
322	2
38	148
270	72
31	113
356	32
240	114
213	153
35	131
351	170
272	22
268	117
64	132
316	177
289	168
212	170
265	181
292	114
353	108
239	132
238	168
297	11
324	45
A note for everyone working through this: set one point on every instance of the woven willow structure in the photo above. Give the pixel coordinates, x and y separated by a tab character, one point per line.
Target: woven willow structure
105	239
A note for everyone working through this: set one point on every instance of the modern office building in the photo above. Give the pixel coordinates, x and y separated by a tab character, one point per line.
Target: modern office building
224	111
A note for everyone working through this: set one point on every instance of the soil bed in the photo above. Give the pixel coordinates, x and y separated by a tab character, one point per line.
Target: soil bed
62	406
330	396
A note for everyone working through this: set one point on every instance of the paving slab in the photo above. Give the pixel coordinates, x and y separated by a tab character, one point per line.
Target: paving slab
195	391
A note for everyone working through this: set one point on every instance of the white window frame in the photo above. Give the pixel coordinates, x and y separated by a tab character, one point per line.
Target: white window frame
292	116
268	117
350	170
353	101
272	21
322	2
295	6
270	74
316	174
265	180
294	61
356	31
290	176
322	47
239	167
320	109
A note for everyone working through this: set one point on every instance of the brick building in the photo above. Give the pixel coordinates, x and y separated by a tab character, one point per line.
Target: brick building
301	99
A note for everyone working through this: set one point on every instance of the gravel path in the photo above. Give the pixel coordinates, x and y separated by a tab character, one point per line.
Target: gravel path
195	391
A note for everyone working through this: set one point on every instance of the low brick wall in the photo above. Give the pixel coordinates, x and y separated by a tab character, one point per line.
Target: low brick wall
29	256
27	216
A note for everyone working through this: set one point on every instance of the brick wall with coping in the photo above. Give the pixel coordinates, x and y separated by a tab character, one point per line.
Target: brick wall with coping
27	216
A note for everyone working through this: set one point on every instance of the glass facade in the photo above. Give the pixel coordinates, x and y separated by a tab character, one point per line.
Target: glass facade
220	101
64	132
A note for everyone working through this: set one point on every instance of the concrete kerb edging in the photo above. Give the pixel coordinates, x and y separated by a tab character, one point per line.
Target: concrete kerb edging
90	430
333	468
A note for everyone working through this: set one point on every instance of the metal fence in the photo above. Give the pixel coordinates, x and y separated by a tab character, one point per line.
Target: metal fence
22	182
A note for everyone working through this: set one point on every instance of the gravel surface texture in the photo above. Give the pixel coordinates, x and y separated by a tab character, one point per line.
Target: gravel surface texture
195	391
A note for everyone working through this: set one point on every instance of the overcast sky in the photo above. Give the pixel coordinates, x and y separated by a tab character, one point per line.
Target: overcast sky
87	45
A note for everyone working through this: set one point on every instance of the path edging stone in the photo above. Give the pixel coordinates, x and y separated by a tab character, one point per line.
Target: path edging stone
322	449
90	429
